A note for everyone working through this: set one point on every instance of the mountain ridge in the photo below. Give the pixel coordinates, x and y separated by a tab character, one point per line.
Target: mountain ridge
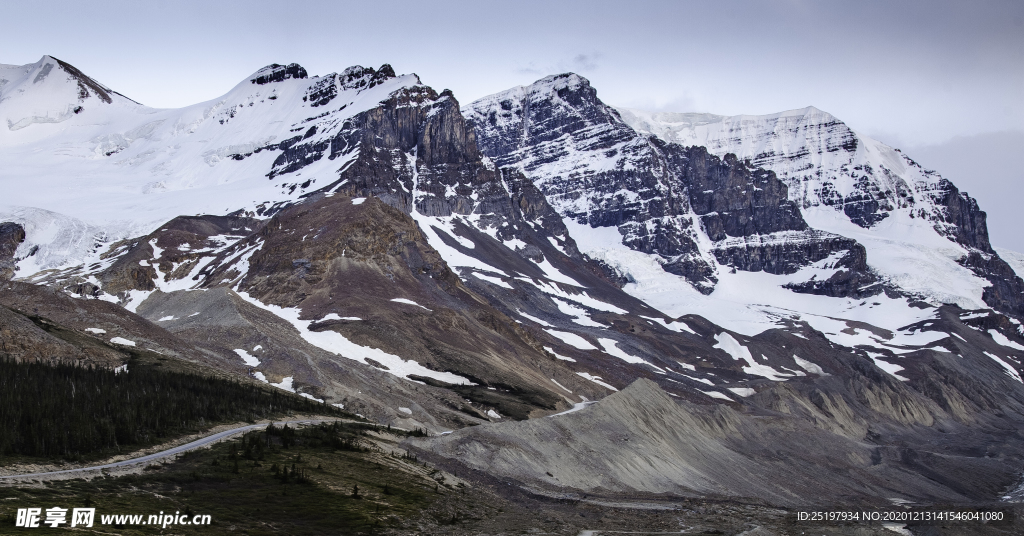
819	157
366	241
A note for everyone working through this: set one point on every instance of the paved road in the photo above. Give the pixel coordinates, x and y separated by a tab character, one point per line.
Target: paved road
169	452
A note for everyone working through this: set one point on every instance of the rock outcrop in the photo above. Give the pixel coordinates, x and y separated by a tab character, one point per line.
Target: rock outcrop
11	236
276	73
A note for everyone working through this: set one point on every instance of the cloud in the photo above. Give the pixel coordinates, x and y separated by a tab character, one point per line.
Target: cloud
531	68
580	63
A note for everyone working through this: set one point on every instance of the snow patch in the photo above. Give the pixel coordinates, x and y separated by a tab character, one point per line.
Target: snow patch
1010	371
701	380
533	318
578	315
808	366
739	352
408	302
890	368
285	384
971	316
559	357
676	325
249	360
122	341
611	347
491	279
553	274
582	298
311	397
455	258
334	316
560	385
571	339
135	299
596	379
1004	341
575	407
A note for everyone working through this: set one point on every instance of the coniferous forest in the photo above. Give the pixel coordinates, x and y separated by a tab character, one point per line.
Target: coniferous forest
72	412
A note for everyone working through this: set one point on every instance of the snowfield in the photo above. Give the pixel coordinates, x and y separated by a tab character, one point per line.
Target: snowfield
118	169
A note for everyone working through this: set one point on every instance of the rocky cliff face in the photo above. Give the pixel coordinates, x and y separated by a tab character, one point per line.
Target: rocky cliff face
694	210
963	221
11	236
841	173
825	164
277	73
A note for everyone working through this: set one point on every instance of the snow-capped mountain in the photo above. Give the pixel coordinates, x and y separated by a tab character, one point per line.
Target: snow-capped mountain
30	95
116	169
694	211
381	163
849	216
360	239
920	231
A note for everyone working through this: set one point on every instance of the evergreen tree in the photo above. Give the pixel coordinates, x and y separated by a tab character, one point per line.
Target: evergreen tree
67	410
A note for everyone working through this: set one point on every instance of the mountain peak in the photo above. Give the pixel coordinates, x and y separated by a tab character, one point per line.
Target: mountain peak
557	84
84	82
386	71
561	82
276	73
41	71
47	91
359	76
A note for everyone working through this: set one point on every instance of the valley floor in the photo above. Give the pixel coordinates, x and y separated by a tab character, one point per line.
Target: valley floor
244	492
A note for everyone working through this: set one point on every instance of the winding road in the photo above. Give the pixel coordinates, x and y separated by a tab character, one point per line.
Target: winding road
169	452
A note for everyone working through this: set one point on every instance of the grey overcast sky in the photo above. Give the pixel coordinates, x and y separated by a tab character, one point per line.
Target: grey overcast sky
941	79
